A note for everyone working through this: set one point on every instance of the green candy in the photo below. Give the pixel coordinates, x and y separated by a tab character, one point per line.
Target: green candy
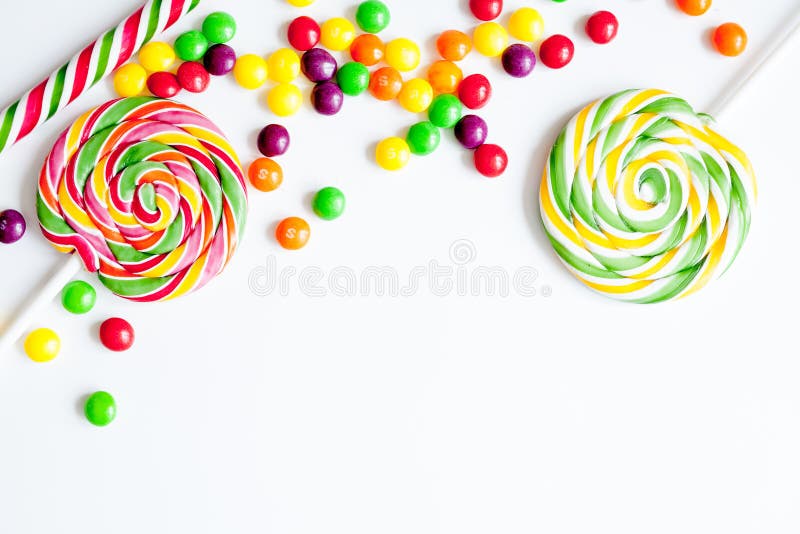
423	138
445	111
191	46
373	16
219	27
100	409
78	297
353	78
329	203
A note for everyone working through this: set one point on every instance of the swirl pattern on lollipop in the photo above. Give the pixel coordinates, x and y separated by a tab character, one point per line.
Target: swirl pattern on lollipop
150	195
643	200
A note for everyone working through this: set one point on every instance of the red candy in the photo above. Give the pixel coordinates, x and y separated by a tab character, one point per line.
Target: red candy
193	77
163	84
602	27
556	51
475	91
491	160
486	9
116	334
304	33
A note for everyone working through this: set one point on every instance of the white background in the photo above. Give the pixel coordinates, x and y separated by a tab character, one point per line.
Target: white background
426	414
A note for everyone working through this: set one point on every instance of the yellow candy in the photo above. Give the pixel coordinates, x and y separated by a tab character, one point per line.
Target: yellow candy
129	80
393	153
300	3
490	39
250	71
284	99
402	54
337	34
156	56
283	65
42	345
526	24
416	95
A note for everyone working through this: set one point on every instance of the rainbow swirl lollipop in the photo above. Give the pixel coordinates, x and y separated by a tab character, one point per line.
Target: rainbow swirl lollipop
643	200
150	195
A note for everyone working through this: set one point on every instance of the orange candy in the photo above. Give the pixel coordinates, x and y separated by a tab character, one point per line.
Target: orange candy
445	76
385	83
293	233
367	49
693	7
265	174
730	39
454	45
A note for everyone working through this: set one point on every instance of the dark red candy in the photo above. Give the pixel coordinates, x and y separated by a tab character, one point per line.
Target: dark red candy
475	91
602	27
163	84
193	77
303	33
556	51
491	160
486	9
116	334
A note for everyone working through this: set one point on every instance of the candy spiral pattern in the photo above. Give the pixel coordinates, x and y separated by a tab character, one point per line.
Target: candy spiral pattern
643	199
88	67
150	195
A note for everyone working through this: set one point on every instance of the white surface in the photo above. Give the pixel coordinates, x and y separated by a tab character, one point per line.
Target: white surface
425	414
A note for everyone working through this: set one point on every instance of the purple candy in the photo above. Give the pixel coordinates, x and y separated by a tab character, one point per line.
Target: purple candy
318	65
519	60
273	140
219	59
471	131
12	226
327	98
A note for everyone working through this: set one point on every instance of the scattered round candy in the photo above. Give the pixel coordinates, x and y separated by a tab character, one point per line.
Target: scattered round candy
219	60
694	7
602	27
416	95
156	56
329	203
116	334
327	98
556	51
471	131
337	34
193	77
490	39
285	99
265	174
273	140
42	345
318	65
392	154
402	54
78	297
526	24
445	76
486	9
423	138
130	80
293	233
373	16
300	3
219	27
250	71
385	83
163	84
303	33
353	78
519	60
475	91
453	45
367	49
490	160
283	65
445	111
12	226
100	408
191	46
730	39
